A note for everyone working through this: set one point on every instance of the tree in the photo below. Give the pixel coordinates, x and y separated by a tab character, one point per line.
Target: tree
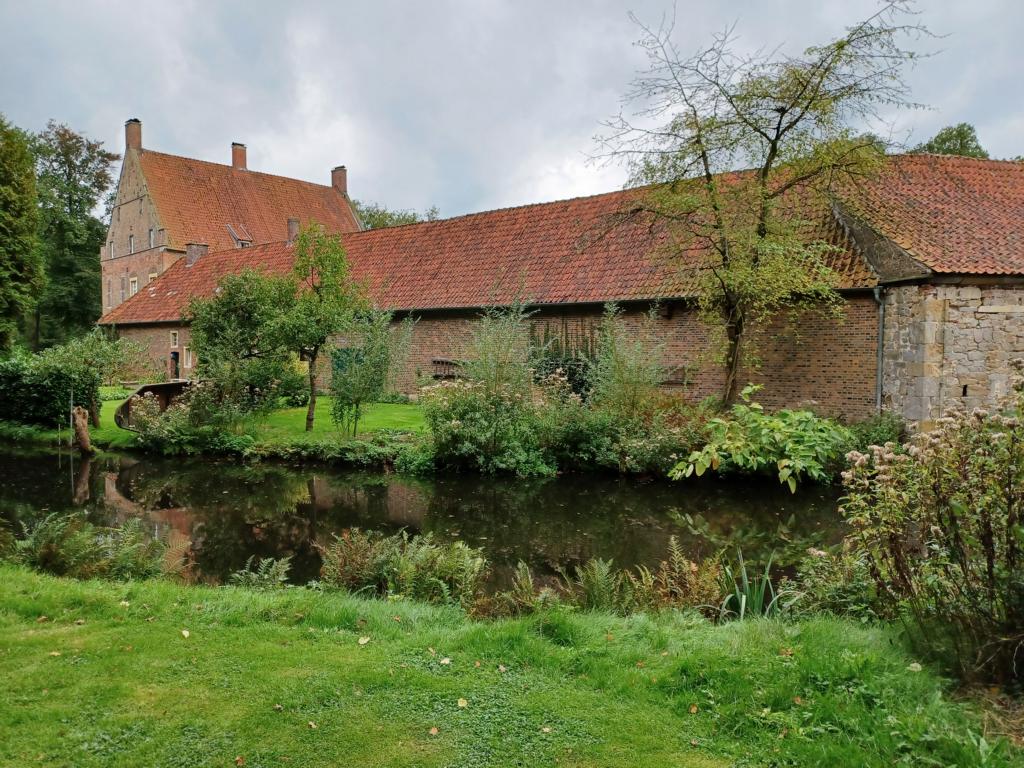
798	124
960	139
106	357
376	216
21	269
74	175
325	302
362	370
236	336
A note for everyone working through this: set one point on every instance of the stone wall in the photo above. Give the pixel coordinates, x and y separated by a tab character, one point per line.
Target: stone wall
947	344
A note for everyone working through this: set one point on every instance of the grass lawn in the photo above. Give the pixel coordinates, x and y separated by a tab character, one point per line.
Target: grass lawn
297	678
281	426
290	423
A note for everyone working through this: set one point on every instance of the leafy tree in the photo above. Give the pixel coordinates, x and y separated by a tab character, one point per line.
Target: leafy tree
960	139
21	272
362	370
74	175
797	122
376	216
104	356
236	338
325	302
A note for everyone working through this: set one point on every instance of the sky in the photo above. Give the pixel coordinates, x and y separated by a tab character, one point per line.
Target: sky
467	105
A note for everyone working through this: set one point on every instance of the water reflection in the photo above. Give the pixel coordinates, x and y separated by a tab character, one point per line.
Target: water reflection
231	510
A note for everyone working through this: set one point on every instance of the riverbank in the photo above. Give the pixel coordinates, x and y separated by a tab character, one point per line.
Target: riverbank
155	673
280	435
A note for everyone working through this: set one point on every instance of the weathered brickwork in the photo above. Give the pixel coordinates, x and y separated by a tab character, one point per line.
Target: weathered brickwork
947	344
822	362
158	340
132	219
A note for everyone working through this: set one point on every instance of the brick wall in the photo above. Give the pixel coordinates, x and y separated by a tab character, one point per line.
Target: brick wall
822	362
134	215
947	344
157	339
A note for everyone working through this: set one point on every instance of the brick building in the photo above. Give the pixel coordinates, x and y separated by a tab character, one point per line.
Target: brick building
930	263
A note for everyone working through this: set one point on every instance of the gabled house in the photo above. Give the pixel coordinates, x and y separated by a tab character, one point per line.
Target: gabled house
929	261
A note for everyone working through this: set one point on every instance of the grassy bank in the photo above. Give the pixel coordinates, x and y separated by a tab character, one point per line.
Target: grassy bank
299	678
280	429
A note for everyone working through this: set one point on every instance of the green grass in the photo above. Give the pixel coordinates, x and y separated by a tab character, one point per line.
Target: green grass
104	683
290	423
280	427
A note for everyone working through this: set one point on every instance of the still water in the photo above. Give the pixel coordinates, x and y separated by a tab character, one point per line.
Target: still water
231	510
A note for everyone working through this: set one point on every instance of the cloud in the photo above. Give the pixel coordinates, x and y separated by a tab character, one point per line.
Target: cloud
461	104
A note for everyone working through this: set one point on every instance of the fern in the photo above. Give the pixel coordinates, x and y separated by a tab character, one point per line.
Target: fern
270	573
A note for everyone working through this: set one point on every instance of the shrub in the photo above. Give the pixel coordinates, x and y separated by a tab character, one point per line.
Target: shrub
38	389
292	388
68	545
628	369
677	582
197	421
793	444
939	524
839	583
268	574
404	566
886	427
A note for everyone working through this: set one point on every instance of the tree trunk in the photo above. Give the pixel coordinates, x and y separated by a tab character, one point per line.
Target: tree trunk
80	419
94	413
733	359
311	411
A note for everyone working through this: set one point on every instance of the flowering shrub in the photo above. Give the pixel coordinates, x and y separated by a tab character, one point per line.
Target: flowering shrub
197	421
491	431
939	523
793	444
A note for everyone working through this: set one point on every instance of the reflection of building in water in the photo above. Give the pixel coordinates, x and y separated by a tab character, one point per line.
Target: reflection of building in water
400	504
164	522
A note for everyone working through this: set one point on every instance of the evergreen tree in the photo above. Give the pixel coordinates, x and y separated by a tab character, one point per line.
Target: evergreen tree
21	270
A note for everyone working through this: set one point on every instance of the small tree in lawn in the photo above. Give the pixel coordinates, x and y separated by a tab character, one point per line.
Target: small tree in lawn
326	301
362	371
797	123
236	336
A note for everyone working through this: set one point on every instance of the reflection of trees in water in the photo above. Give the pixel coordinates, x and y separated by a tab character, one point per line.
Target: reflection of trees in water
233	510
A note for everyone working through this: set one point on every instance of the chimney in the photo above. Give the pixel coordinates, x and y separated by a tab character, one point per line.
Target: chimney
237	156
193	251
293	230
133	134
339	179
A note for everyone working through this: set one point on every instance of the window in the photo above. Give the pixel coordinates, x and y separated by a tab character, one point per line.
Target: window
133	286
110	249
152	237
110	293
122	288
131	243
188	357
174	338
152	277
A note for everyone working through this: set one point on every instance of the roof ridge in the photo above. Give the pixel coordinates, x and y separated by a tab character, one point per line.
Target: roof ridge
959	158
502	209
225	166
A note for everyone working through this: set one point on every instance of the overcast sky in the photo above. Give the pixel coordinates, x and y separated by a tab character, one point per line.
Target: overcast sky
465	105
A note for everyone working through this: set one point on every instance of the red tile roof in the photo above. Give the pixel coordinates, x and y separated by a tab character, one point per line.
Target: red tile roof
197	201
570	251
953	214
581	251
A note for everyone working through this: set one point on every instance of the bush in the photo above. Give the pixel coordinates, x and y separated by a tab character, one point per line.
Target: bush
292	388
38	389
884	428
404	566
839	583
939	525
68	545
197	421
628	370
793	444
